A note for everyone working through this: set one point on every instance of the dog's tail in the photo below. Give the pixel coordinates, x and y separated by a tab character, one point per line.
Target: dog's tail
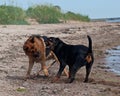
90	44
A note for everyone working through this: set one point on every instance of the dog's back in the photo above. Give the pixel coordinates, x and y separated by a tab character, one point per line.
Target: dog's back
69	52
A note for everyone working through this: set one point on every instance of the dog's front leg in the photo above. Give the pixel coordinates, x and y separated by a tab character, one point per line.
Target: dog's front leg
31	63
57	77
56	59
44	68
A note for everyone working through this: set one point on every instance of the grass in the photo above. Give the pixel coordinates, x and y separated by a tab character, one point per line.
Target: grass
41	13
12	15
21	89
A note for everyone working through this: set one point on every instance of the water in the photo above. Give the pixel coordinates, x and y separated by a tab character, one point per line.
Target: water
114	20
113	59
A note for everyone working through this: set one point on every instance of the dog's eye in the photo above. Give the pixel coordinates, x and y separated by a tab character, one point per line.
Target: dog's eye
25	48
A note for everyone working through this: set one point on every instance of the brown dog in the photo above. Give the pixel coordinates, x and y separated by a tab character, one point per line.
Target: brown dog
35	47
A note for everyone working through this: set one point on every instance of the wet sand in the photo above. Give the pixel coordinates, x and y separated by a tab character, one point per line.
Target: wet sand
14	63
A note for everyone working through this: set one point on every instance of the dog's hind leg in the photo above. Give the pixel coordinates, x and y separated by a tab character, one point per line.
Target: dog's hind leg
88	70
89	62
66	72
73	69
72	72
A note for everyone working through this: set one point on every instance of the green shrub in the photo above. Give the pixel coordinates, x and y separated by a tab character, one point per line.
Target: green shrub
42	14
78	17
45	13
12	15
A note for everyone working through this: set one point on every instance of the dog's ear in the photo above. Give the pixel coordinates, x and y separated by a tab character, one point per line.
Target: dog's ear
57	39
32	40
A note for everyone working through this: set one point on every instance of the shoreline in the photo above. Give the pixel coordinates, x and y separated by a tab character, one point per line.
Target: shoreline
14	63
112	60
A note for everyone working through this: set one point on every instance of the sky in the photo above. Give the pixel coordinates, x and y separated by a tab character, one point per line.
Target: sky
92	8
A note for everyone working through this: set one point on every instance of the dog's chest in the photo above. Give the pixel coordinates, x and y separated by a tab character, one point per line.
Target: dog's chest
37	60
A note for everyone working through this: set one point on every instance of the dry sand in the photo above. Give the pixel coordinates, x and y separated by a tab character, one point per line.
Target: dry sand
14	63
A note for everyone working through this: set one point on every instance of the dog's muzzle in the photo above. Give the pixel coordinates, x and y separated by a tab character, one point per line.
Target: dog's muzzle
36	54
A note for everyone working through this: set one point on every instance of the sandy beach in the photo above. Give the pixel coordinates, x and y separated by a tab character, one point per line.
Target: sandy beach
14	63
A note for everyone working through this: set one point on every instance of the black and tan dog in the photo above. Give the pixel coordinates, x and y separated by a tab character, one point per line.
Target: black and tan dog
75	56
37	49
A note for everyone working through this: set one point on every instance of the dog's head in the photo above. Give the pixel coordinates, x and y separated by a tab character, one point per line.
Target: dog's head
33	47
53	42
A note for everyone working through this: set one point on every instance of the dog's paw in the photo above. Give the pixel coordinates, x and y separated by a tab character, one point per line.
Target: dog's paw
86	81
46	72
70	80
55	79
27	77
30	77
